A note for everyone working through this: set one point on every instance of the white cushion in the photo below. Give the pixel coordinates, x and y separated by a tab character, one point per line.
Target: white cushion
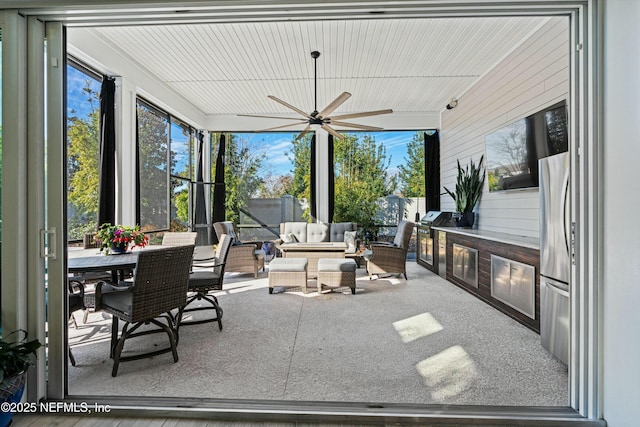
338	229
299	229
317	232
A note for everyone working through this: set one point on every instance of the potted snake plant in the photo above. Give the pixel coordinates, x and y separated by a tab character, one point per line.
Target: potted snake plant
469	186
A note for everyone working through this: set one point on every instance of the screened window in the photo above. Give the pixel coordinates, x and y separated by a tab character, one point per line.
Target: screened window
153	157
181	174
83	149
165	153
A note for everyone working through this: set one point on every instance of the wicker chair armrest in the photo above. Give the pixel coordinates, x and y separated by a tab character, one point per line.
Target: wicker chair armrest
205	263
242	251
76	287
197	260
105	286
256	243
389	244
384	251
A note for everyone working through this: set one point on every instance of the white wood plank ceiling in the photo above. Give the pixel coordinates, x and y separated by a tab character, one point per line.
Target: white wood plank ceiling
408	65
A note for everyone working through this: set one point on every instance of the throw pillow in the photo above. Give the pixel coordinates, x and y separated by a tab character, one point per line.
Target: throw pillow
288	238
350	240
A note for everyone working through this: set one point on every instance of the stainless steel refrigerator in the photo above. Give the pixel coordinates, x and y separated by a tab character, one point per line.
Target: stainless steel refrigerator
555	289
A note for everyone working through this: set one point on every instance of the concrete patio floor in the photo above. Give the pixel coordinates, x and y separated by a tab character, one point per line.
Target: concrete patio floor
420	341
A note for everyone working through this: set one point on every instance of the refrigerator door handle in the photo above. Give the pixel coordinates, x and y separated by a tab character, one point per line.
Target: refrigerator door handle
567	212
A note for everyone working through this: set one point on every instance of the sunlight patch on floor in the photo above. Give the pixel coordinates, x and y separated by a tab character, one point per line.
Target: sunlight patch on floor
448	373
413	328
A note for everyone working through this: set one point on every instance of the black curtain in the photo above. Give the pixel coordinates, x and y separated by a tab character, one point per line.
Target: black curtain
312	179
200	217
432	170
107	186
137	170
219	187
331	178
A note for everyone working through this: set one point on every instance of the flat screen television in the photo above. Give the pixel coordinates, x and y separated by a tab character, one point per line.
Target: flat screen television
512	152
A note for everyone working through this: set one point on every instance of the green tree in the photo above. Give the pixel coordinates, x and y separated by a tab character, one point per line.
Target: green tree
275	186
83	159
300	156
242	164
181	200
361	178
412	172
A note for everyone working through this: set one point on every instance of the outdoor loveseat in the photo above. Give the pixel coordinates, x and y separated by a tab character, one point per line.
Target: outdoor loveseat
317	240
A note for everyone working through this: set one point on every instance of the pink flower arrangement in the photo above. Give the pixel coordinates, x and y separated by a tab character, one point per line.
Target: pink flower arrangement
123	235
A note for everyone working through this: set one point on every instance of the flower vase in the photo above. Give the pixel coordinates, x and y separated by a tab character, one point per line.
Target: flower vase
118	248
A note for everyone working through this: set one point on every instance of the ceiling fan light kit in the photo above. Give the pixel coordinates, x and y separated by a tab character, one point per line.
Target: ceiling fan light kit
321	119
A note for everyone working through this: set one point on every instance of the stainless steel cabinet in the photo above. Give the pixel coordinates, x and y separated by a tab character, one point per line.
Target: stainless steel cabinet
513	283
465	264
425	243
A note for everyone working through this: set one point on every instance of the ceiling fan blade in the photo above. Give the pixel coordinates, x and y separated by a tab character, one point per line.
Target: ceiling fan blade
354	125
332	132
271	117
303	133
335	104
297	110
363	114
280	127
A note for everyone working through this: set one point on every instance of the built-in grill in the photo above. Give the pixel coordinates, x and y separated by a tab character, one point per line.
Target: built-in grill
426	237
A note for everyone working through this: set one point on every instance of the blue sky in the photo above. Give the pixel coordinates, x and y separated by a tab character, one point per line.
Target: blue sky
76	97
275	146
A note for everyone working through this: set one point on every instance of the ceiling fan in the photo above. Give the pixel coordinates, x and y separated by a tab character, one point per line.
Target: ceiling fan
322	118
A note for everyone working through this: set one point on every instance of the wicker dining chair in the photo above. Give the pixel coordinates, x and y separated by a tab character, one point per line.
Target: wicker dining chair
75	302
207	276
392	257
159	286
179	238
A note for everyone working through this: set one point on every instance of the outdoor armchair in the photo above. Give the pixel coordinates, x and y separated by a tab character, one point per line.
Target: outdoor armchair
159	286
244	257
390	258
207	276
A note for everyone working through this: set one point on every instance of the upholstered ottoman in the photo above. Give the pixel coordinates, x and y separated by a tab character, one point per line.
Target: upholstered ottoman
336	272
288	272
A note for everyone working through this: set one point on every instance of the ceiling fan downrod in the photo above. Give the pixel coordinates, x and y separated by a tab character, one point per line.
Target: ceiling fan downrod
315	54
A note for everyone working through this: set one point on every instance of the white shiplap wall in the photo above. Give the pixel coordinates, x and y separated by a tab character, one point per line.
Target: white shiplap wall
534	76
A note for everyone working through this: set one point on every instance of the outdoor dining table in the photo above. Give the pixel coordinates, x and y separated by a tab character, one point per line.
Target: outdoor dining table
91	260
84	263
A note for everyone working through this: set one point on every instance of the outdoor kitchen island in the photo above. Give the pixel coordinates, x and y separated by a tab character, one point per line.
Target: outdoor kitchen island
501	269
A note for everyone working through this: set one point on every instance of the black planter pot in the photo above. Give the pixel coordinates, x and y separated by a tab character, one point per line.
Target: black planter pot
465	219
118	248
